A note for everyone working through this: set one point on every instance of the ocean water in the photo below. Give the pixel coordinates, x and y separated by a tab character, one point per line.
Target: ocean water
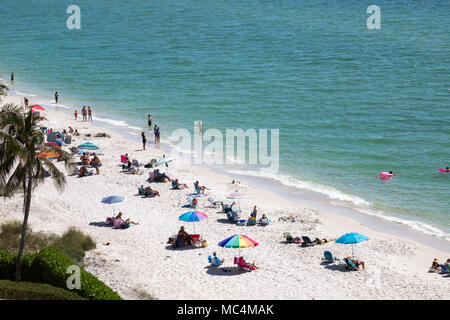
349	102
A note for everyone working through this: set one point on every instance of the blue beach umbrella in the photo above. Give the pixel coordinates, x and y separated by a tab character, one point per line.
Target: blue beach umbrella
193	216
113	200
88	146
352	238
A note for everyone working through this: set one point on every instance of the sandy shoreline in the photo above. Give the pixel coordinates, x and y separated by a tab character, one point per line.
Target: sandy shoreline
138	258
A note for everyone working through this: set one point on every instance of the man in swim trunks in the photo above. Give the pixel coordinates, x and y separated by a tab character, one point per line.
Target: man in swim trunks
56	97
149	120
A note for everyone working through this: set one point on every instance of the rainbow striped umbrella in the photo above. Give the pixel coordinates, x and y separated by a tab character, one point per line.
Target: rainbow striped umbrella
238	241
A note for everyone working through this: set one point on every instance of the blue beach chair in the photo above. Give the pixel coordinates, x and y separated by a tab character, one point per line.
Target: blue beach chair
328	256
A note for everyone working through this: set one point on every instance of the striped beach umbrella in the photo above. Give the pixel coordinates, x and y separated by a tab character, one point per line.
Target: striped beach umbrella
238	241
238	196
88	146
193	216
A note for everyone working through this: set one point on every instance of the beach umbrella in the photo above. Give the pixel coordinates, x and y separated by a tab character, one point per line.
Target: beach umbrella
238	241
238	196
37	107
113	200
193	216
88	146
352	238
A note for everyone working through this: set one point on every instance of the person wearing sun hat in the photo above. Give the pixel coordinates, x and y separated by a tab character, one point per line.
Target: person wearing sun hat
435	265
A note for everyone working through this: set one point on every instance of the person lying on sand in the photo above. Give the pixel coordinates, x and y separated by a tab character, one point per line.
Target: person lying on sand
199	188
178	185
321	241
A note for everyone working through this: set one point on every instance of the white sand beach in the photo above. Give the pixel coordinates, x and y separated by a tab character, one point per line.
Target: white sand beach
139	258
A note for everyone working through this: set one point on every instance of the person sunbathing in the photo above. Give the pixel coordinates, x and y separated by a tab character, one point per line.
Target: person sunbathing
178	185
436	265
151	192
96	163
160	176
321	241
128	221
357	263
199	188
244	264
183	236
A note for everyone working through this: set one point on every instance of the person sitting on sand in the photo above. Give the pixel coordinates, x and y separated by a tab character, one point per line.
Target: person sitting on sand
76	133
119	217
357	263
436	265
160	176
96	163
84	159
214	260
178	185
244	264
199	188
254	212
151	192
183	236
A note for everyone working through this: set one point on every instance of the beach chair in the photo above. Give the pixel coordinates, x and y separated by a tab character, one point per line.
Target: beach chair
123	158
141	191
350	265
328	257
213	204
195	238
251	222
244	265
240	222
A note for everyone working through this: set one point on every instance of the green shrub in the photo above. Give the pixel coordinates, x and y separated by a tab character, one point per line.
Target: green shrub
50	266
74	243
34	291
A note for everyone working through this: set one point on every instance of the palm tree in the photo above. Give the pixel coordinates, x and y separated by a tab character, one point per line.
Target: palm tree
3	88
21	142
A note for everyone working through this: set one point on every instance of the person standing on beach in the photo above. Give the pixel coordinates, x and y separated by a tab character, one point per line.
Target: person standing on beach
149	121
12	77
76	115
56	97
156	132
144	140
25	102
83	113
89	114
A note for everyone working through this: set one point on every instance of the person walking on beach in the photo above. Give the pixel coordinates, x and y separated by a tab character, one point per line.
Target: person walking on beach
76	114
25	102
144	140
56	97
149	121
89	114
12	77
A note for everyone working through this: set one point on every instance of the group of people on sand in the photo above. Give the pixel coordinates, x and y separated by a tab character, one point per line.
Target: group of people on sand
85	161
86	113
148	191
436	266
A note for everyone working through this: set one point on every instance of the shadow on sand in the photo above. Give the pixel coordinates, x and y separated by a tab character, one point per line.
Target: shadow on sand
224	271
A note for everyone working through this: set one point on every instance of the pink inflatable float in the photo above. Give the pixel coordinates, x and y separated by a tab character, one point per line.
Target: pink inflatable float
386	175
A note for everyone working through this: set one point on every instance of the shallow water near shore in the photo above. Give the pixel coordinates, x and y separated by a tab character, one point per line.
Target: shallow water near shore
349	102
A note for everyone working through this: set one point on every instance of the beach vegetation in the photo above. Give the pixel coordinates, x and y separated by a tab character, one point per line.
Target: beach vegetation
34	291
73	242
50	266
21	168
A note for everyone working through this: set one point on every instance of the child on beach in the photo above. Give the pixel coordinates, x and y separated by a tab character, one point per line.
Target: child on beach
75	114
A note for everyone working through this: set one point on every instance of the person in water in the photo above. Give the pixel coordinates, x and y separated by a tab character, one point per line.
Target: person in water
89	114
149	121
12	77
56	97
447	169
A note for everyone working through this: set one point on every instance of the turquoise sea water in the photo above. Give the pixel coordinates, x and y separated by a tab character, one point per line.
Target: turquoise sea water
349	102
